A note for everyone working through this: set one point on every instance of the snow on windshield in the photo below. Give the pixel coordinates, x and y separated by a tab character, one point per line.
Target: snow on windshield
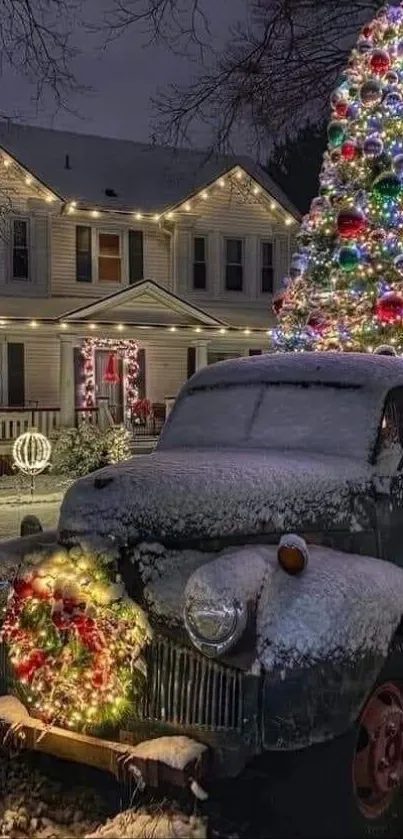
335	420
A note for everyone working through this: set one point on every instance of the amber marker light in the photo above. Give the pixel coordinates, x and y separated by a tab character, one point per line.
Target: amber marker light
292	554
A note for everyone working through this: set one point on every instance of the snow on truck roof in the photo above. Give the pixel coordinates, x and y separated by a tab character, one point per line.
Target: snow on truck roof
372	372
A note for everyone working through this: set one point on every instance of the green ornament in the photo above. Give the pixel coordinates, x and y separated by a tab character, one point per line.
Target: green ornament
387	185
336	133
348	258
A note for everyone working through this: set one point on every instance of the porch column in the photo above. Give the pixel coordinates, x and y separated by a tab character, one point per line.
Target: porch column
201	359
67	394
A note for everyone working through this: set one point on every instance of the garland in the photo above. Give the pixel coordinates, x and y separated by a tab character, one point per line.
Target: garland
74	641
126	350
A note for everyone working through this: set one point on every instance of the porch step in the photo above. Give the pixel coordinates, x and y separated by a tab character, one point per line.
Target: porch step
144	445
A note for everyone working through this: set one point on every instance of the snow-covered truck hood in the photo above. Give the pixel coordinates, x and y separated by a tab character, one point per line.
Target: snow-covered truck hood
177	496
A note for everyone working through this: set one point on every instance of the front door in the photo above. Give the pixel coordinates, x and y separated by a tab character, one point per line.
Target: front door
109	381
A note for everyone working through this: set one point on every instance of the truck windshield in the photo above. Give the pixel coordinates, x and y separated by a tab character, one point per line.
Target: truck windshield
320	418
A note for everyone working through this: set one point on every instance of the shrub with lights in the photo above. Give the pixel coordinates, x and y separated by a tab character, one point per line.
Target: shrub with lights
74	641
345	289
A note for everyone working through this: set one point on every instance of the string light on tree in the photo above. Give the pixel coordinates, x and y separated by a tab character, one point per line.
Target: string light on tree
345	288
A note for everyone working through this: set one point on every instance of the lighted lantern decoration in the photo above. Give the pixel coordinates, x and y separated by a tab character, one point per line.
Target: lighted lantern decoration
111	375
351	223
380	62
31	454
389	308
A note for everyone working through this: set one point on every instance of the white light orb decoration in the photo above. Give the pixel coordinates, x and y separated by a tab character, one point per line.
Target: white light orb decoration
31	452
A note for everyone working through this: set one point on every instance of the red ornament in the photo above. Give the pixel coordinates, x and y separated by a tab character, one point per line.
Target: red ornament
22	588
380	62
278	303
349	150
351	223
111	376
341	109
318	322
367	31
389	308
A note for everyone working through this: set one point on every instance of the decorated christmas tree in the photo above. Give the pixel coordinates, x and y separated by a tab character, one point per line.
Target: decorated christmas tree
345	289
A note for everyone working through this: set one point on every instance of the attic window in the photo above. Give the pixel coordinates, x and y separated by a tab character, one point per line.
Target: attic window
110	193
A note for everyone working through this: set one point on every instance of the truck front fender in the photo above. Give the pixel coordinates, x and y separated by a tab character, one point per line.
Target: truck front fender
322	639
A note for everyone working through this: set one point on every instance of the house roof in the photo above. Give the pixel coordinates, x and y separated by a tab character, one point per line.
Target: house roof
146	177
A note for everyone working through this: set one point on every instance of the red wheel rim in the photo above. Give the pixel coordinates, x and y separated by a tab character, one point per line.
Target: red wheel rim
378	756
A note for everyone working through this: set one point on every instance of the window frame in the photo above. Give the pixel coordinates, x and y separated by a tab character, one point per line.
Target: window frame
100	231
241	264
90	278
264	242
196	262
26	248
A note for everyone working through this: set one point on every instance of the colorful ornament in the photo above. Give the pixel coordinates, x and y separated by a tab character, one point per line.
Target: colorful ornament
341	109
398	165
392	78
393	99
380	62
385	349
371	92
389	308
373	146
387	185
348	258
364	46
278	302
349	150
398	264
336	133
351	223
318	322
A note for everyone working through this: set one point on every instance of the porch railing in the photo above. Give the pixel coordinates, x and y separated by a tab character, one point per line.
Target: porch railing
15	421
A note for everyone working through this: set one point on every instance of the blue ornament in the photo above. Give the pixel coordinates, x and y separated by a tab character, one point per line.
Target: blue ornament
375	123
393	99
353	110
373	146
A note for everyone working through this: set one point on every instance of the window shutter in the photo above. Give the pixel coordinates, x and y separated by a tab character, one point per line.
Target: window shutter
16	375
83	254
136	256
191	361
255	352
141	374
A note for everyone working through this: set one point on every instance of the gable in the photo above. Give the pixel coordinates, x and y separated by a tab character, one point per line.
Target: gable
144	303
235	207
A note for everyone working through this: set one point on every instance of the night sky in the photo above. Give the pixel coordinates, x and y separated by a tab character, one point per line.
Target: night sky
123	80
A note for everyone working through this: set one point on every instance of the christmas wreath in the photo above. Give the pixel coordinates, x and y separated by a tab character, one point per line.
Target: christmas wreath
74	641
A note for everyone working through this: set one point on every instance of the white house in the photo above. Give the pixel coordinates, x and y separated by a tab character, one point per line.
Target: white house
124	267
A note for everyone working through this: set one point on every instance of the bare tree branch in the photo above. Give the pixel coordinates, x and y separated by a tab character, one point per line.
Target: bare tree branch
273	76
37	41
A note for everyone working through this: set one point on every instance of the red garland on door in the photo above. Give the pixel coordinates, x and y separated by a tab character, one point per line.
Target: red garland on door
111	375
123	349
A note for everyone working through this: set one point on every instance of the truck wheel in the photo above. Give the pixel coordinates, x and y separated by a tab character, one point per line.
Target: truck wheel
350	786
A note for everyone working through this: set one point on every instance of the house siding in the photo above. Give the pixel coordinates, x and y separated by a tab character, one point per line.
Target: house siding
42	360
166	369
157	264
229	213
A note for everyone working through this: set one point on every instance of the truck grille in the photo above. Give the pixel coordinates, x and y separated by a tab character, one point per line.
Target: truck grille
185	688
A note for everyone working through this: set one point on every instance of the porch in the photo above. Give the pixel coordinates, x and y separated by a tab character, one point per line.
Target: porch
48	421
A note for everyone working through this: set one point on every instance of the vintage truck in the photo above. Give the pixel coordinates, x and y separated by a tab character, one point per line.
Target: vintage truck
263	539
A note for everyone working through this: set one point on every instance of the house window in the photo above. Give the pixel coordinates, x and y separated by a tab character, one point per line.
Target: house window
267	269
234	264
199	263
83	254
20	250
109	258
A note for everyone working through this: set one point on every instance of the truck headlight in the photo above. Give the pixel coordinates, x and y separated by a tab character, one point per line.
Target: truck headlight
214	627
